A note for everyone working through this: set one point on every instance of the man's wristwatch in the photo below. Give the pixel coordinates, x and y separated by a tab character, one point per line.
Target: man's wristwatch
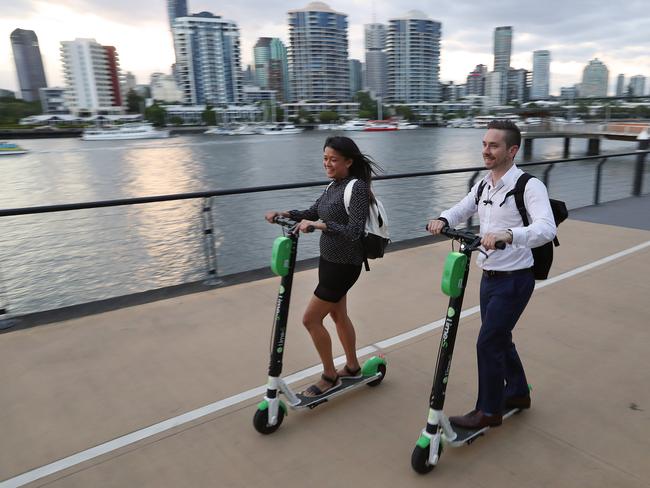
509	232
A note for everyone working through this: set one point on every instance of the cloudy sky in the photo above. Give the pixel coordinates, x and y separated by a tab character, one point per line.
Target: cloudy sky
575	31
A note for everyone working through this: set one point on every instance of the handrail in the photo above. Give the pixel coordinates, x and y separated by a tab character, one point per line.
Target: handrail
256	189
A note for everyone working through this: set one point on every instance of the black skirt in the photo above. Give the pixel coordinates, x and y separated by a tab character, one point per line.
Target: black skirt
335	279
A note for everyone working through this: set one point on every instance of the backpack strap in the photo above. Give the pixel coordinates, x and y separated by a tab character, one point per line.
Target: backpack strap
479	192
347	194
518	193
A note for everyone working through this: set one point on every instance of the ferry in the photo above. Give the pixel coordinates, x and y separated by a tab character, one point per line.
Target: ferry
354	125
281	129
8	148
124	132
379	126
406	126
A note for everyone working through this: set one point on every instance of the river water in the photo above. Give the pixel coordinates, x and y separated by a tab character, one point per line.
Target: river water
54	260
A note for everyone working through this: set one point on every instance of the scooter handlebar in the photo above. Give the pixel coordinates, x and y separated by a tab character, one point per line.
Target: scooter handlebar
287	222
467	237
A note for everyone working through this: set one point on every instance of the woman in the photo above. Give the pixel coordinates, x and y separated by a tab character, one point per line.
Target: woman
341	254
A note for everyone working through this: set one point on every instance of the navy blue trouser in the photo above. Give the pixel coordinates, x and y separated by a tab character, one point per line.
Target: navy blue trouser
500	372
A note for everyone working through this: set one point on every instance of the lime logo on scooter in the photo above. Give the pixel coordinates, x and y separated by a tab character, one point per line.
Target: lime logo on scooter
451	312
445	332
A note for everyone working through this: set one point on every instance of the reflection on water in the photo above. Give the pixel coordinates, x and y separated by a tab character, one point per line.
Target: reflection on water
59	259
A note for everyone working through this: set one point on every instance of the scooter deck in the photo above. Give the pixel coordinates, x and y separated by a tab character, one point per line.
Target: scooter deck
467	436
346	385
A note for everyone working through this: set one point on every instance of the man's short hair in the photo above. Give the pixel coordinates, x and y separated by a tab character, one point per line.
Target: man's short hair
513	135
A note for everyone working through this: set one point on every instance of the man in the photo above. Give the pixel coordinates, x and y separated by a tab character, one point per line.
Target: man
508	281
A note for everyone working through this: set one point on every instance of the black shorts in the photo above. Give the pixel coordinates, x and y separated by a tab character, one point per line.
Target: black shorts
335	279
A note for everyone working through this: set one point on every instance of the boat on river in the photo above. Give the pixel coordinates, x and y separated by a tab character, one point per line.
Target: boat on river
281	129
9	148
124	132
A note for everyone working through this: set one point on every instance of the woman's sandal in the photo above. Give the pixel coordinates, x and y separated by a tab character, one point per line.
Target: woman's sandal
314	390
351	373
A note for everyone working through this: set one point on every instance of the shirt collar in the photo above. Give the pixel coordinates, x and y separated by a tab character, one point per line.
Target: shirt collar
509	179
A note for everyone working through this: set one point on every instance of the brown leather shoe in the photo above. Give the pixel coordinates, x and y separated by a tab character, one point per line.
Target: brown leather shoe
476	420
521	402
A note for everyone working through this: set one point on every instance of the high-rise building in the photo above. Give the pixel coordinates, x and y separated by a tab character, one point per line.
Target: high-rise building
493	89
318	54
53	100
476	80
92	77
540	88
413	59
518	85
569	93
29	64
271	66
502	53
129	82
164	88
175	9
620	86
355	76
208	62
595	77
279	70
637	86
375	39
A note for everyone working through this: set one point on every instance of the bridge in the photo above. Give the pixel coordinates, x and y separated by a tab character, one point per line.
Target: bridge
162	394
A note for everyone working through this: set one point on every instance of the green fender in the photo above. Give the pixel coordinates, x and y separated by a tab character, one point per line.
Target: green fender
423	442
264	404
371	366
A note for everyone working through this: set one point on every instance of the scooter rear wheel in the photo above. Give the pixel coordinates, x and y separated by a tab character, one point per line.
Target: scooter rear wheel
261	421
382	369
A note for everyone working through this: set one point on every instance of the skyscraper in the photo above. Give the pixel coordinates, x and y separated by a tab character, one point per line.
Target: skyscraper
261	57
355	76
518	85
175	9
637	86
413	59
318	54
29	64
92	77
540	88
208	59
595	77
502	53
271	67
620	86
375	35
476	80
493	89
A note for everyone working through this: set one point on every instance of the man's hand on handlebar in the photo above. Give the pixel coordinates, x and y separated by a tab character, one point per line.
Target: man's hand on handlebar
490	239
435	226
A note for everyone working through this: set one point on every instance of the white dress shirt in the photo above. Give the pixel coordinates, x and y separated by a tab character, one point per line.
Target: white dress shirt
495	217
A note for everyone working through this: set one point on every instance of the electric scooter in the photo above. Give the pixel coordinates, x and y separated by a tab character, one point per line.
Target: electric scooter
439	430
271	410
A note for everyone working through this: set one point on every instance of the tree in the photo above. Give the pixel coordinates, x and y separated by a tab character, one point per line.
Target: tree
176	120
328	116
405	112
12	110
134	102
156	115
208	116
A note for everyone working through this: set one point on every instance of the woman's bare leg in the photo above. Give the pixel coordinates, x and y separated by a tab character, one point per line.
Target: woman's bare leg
347	335
316	311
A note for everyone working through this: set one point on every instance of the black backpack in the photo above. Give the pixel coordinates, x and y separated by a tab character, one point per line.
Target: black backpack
542	255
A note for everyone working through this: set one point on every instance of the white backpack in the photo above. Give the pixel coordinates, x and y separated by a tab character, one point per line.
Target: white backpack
375	238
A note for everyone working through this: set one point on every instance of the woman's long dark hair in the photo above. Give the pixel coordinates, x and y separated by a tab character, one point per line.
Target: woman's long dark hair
363	166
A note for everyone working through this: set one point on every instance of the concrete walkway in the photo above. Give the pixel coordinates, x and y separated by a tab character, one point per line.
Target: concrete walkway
584	340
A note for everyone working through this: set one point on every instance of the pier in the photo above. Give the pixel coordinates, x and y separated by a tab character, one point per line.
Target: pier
162	394
594	133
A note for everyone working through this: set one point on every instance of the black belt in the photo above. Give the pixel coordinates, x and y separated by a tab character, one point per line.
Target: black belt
488	273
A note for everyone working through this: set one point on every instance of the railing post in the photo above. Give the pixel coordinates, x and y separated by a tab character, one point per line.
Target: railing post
546	172
472	180
209	242
644	144
599	169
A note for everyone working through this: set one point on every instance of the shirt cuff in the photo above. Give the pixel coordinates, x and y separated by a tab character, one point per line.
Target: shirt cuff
518	237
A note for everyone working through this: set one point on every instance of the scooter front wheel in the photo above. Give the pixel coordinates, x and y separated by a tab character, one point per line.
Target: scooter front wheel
261	421
420	459
381	369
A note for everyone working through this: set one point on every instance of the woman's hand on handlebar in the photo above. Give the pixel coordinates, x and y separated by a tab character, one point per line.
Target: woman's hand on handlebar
490	239
435	226
271	215
310	226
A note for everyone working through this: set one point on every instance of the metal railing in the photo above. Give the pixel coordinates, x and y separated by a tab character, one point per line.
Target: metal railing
208	217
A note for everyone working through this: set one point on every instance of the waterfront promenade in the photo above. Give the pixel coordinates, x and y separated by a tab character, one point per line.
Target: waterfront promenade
70	386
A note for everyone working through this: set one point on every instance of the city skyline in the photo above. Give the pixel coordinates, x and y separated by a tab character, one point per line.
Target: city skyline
573	33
